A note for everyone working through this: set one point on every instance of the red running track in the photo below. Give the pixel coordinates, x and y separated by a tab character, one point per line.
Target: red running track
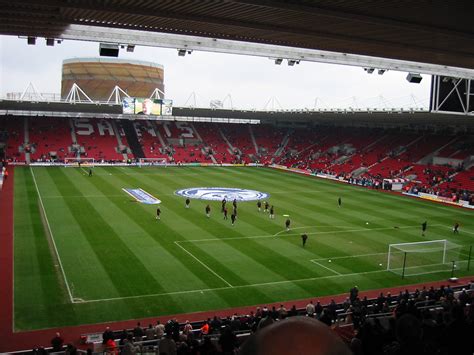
12	341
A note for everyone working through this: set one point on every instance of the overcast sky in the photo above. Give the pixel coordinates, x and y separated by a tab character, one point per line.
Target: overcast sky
252	82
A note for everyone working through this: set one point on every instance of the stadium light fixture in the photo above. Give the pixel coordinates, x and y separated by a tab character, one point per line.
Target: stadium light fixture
369	70
414	78
50	42
181	52
278	61
130	48
381	71
108	50
31	41
292	62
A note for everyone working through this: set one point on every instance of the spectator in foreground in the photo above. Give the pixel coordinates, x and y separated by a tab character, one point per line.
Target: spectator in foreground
297	335
57	342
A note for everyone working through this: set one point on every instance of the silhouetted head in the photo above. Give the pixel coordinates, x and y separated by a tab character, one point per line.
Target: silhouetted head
295	335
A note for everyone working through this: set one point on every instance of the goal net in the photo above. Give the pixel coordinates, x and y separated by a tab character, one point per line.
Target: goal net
79	162
410	259
152	162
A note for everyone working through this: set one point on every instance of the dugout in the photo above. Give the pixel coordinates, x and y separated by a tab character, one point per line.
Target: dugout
394	184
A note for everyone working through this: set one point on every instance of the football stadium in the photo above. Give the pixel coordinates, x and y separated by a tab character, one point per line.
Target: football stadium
132	224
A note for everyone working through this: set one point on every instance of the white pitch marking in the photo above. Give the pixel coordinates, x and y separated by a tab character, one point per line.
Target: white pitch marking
350	230
462	231
234	287
207	267
347	256
52	238
293	234
327	268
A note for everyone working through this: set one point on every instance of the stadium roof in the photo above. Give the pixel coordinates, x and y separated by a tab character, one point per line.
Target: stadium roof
425	31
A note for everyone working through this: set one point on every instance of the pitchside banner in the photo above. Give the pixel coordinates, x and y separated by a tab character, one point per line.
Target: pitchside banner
144	106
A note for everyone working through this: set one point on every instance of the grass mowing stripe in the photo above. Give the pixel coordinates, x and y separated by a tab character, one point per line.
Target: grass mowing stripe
219	265
281	265
166	245
199	223
203	264
118	261
43	211
233	264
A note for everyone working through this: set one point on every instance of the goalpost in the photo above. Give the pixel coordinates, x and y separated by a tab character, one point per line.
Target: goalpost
417	258
79	162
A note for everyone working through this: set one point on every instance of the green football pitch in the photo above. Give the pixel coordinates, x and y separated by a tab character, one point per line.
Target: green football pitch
87	252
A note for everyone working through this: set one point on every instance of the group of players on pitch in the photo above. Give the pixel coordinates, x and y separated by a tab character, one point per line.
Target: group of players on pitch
271	210
266	209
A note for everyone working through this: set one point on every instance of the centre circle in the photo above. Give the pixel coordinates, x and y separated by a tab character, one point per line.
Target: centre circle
220	193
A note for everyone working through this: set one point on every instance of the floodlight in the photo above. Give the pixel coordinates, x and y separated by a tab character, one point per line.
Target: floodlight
380	71
31	41
130	48
108	50
414	78
278	61
369	70
50	42
181	52
291	62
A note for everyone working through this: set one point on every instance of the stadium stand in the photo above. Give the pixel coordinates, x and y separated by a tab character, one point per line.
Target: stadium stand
214	143
428	320
441	164
13	137
100	139
50	138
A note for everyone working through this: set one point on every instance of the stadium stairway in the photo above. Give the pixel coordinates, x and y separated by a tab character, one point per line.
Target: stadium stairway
132	139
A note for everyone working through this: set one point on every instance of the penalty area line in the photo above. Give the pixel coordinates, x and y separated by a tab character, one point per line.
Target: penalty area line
327	268
203	264
297	234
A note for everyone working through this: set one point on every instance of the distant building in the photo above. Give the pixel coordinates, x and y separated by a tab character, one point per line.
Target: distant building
99	76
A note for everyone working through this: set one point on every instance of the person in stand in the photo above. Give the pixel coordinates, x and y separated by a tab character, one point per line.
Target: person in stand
304	238
339	202
225	212
424	225
158	213
90	172
266	206
208	211
259	206
223	205
287	224
57	343
456	228
272	212
188	201
232	218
